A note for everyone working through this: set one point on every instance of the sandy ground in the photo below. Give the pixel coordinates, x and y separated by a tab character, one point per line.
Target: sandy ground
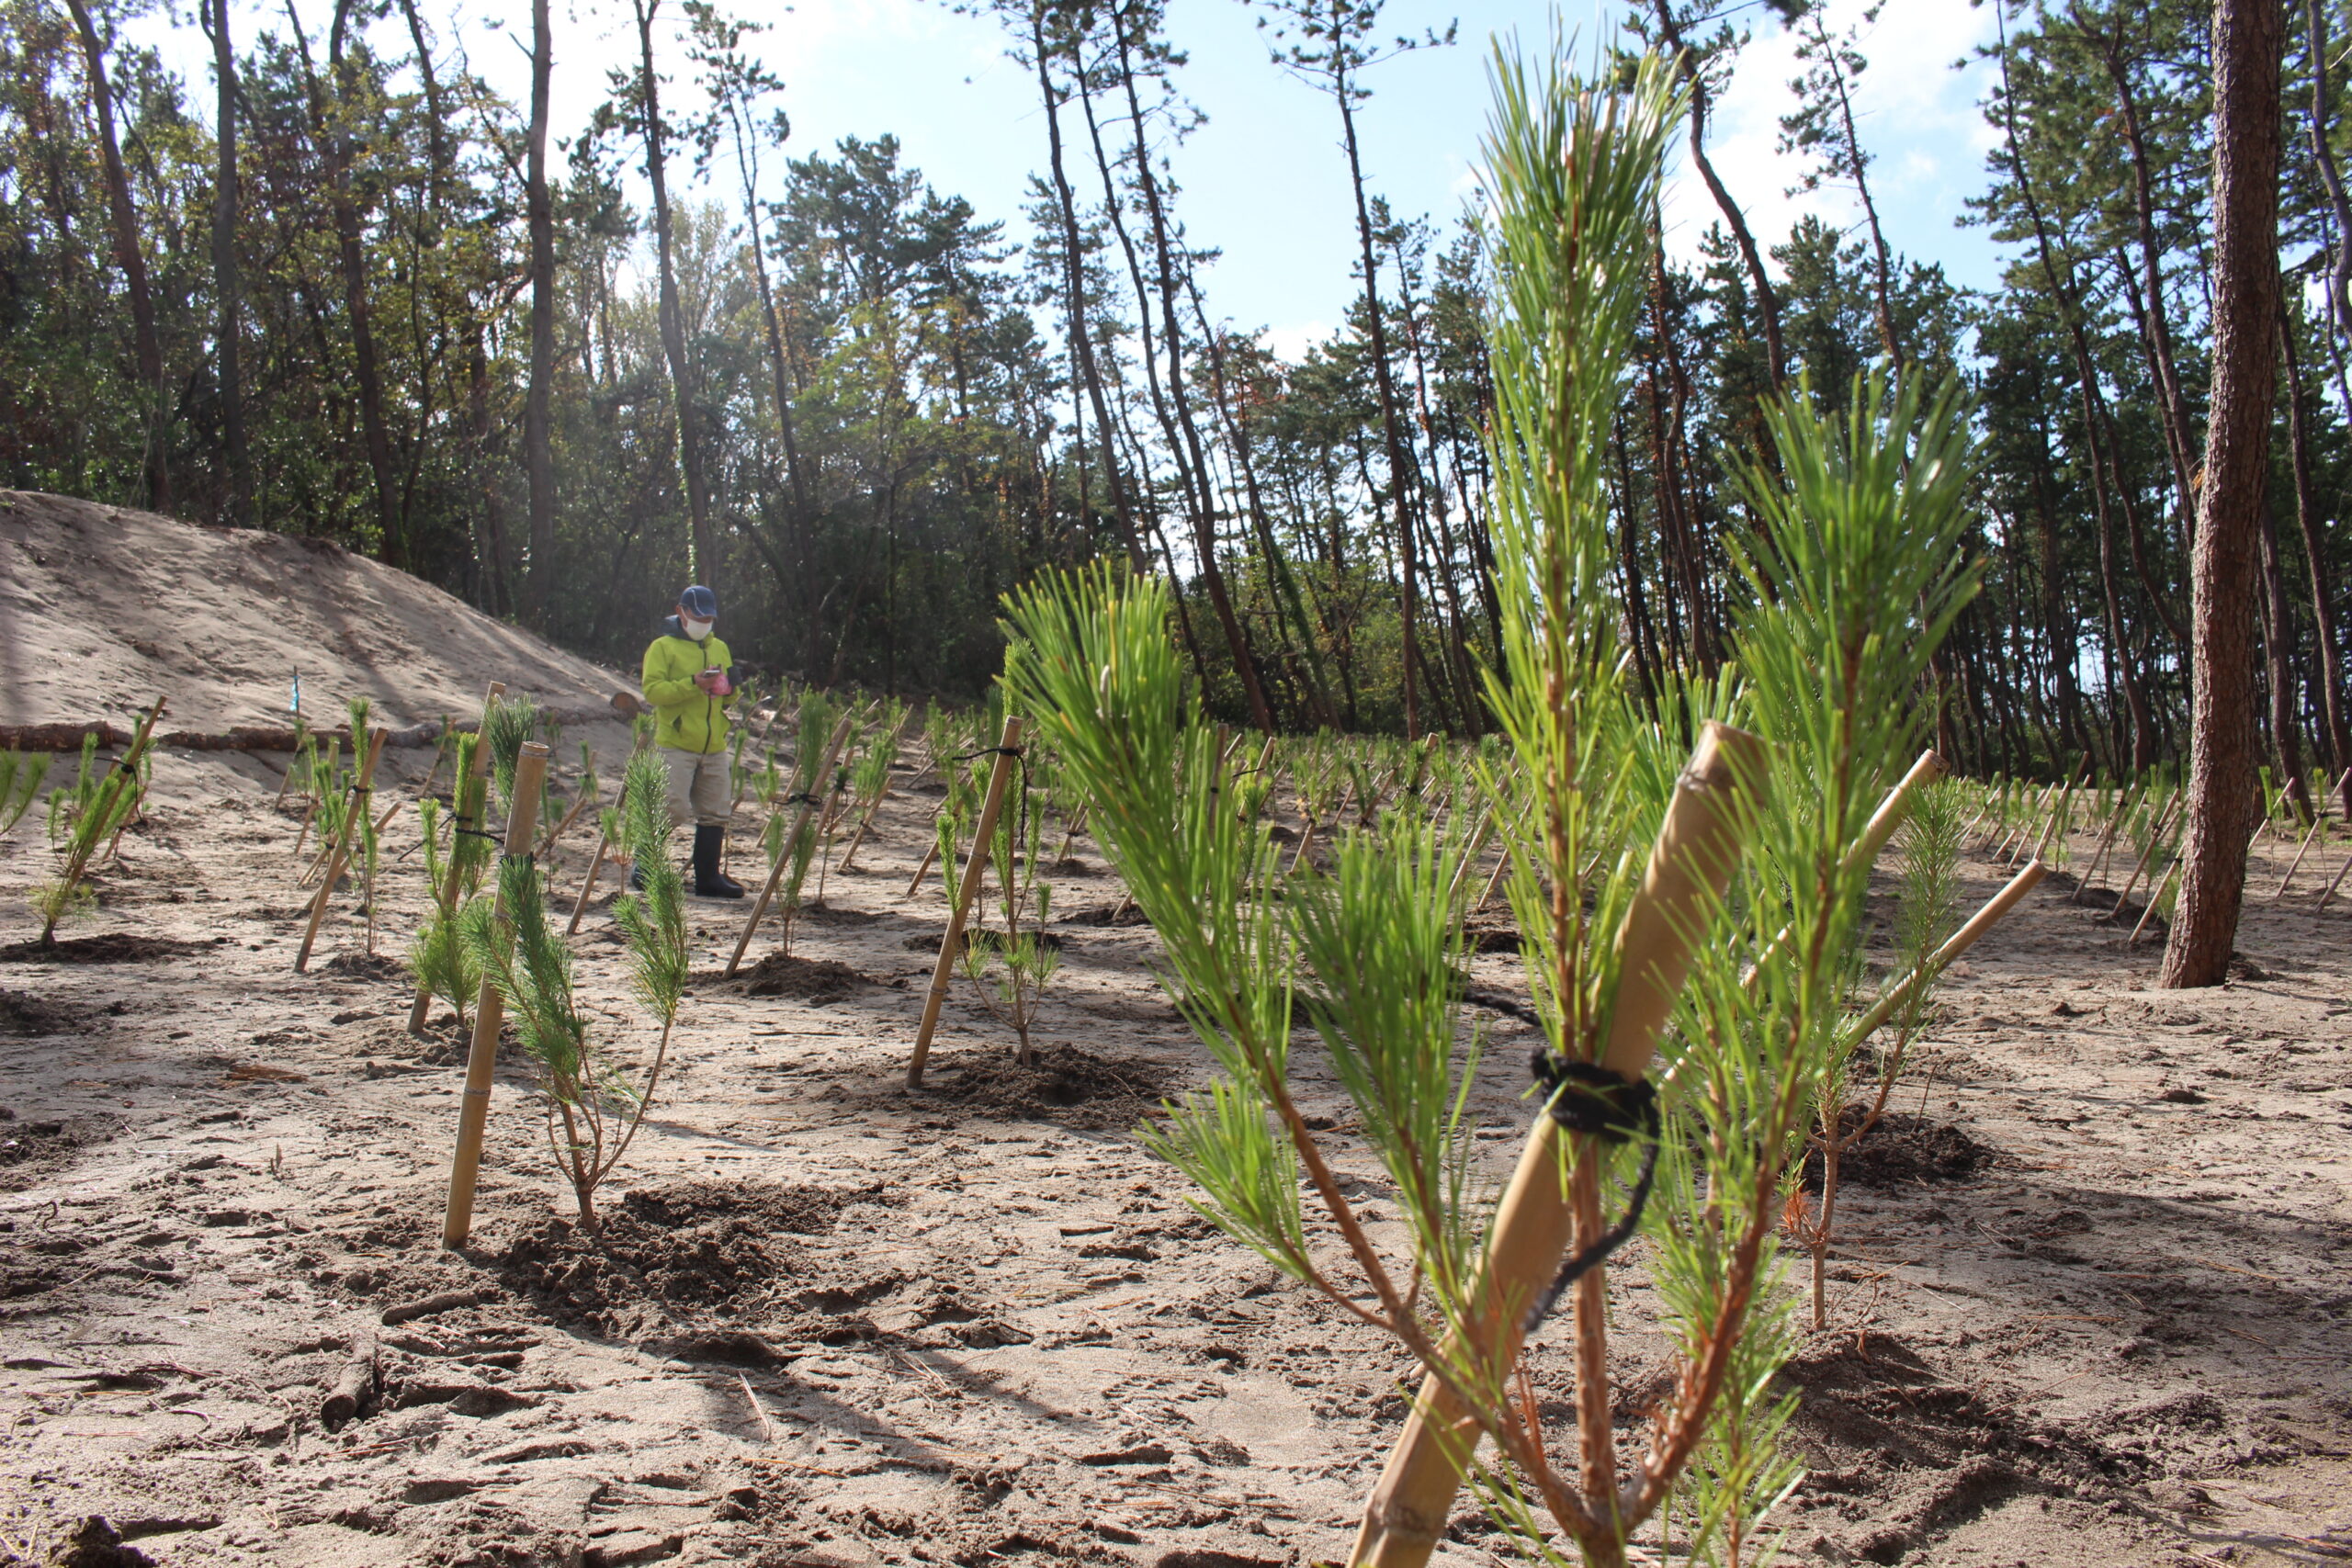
2090	1307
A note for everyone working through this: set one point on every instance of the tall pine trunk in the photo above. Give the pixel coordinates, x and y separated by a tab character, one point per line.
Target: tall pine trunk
673	328
227	286
1391	428
2223	804
538	459
1074	299
132	259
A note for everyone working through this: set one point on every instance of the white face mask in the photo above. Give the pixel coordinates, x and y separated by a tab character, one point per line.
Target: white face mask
696	629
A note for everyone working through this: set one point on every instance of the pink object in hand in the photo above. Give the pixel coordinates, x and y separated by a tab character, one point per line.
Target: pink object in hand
718	684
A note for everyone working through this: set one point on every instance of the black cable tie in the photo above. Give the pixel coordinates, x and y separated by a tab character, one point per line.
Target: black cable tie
989	752
478	833
1585	1096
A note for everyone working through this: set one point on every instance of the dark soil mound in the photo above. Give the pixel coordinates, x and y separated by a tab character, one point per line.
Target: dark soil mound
21	1014
1064	1084
366	966
44	1144
698	1245
1902	1150
778	974
1070	865
1486	936
1107	915
113	947
443	1043
825	914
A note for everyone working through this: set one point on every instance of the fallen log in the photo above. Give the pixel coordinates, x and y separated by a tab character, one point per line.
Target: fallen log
354	1385
68	736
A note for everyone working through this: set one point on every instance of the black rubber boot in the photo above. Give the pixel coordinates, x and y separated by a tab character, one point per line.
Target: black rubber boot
710	880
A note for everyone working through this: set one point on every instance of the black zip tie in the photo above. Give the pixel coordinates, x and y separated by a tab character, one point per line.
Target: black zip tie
478	833
1585	1096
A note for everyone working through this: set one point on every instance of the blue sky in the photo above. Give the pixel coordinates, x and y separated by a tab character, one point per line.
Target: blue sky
1264	178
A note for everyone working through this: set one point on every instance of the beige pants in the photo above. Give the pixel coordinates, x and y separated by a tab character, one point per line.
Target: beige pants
698	792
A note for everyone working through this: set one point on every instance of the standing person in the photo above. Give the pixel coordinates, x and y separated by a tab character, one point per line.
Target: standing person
688	683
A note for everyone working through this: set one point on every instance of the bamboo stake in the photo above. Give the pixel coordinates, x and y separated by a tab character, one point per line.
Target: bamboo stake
2156	842
1502	864
775	872
2334	886
1873	838
2057	815
360	794
1960	941
1698	849
928	856
2105	843
1477	842
424	1002
490	1013
2154	899
2319	820
1008	753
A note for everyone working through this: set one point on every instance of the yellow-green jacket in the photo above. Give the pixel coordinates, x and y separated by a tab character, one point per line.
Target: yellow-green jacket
686	717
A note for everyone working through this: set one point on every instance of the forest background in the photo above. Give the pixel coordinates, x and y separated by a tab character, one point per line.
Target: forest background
311	272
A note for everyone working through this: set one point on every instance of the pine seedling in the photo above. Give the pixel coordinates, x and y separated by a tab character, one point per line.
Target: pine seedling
1010	969
1855	578
21	775
68	802
103	805
437	958
797	849
508	724
593	1109
1928	890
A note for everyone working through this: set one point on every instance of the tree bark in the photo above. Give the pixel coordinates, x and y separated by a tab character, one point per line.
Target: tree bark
2279	655
330	129
228	291
705	565
1392	434
538	459
1074	289
2222	809
2315	562
132	259
1767	299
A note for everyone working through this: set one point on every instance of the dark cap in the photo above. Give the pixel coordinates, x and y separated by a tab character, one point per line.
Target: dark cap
700	602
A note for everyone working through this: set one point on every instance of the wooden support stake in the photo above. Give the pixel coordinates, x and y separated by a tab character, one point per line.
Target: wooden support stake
928	856
1864	851
2334	886
1008	753
2319	820
2156	842
351	819
448	894
490	1013
2154	899
1698	849
2123	805
1960	941
775	873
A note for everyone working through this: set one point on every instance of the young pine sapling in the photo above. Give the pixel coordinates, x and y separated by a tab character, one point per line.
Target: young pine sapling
593	1108
1010	968
21	775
